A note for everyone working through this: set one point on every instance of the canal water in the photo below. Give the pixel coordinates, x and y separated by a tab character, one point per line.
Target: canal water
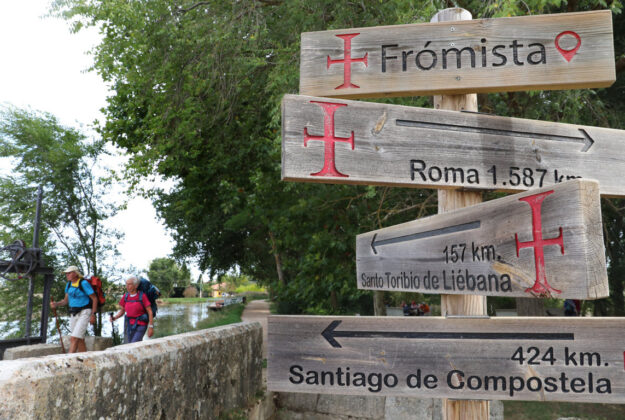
175	318
171	319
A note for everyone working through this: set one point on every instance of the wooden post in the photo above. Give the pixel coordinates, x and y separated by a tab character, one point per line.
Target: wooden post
450	200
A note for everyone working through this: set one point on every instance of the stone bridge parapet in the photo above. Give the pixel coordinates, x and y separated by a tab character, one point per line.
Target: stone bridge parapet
195	375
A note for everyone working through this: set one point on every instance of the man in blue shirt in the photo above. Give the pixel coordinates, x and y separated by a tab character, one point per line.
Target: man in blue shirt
82	307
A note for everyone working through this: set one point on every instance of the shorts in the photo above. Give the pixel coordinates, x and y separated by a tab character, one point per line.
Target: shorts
78	323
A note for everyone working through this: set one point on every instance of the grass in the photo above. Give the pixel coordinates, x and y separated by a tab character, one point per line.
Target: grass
250	296
534	410
228	315
185	300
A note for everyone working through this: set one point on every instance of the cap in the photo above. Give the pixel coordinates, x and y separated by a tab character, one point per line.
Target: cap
73	268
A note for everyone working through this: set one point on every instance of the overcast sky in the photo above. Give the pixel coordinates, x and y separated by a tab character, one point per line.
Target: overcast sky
44	68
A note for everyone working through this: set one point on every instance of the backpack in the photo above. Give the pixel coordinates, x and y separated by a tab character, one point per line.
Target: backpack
151	292
96	285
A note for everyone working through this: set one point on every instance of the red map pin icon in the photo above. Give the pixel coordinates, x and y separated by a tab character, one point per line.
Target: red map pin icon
568	54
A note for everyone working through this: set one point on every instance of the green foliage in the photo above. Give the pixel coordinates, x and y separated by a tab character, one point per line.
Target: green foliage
250	287
61	160
165	273
230	314
240	283
197	90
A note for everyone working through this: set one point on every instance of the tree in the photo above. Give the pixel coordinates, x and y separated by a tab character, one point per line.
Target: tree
165	273
197	89
61	160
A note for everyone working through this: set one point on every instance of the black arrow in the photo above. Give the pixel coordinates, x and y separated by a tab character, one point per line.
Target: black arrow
330	334
586	140
427	234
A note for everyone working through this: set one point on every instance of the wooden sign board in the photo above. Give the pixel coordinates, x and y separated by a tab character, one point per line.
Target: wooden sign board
544	243
540	359
353	142
560	51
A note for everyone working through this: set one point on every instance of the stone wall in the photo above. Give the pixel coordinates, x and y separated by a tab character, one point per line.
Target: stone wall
301	406
200	374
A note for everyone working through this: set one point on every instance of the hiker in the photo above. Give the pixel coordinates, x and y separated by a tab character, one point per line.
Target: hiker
82	307
406	308
572	307
136	305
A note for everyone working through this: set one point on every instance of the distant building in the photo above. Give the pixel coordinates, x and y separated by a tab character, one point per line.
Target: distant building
218	289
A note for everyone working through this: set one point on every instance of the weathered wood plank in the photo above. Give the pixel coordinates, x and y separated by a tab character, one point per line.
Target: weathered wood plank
560	51
547	242
540	359
378	144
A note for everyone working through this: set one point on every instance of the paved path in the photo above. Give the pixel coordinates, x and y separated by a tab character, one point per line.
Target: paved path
258	310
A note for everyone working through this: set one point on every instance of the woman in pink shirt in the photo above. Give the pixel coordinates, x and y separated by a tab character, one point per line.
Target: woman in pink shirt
136	306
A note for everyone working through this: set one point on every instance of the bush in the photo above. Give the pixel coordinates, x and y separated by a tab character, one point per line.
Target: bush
190	292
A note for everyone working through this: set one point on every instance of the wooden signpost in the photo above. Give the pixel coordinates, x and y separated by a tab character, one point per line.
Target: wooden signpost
544	243
540	359
354	142
448	200
560	51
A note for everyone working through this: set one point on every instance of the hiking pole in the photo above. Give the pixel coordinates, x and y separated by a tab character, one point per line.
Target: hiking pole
114	334
58	328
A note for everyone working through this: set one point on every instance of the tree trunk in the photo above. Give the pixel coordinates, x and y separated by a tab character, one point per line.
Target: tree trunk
530	307
378	303
616	291
276	256
334	301
617	262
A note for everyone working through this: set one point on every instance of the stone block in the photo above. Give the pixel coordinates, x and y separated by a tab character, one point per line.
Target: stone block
297	401
496	410
406	408
92	343
98	343
33	350
263	409
365	407
294	415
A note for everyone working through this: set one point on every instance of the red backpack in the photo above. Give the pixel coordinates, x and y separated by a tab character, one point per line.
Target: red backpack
96	285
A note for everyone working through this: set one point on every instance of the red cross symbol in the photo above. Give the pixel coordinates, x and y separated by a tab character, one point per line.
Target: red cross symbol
541	286
329	139
347	61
